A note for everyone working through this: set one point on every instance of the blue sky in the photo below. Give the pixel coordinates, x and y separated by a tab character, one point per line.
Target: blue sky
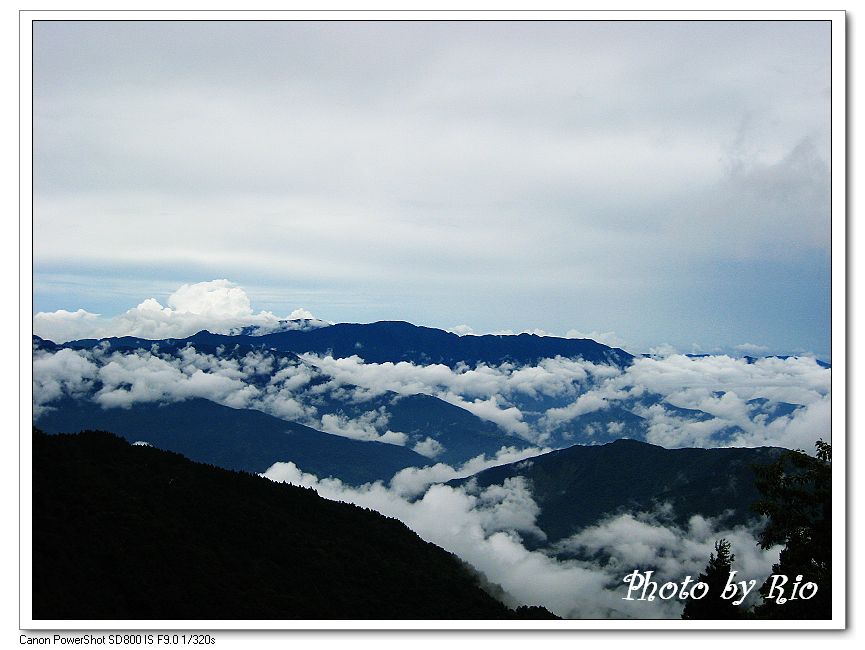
668	182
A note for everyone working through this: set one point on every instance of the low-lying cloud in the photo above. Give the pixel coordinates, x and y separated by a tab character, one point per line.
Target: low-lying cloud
683	401
487	528
719	387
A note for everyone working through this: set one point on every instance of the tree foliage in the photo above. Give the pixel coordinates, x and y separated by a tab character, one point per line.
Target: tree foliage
797	499
133	532
712	606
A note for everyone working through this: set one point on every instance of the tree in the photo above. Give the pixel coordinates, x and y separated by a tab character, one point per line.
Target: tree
712	606
797	499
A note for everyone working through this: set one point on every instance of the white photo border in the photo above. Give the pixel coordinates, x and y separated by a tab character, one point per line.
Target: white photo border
839	332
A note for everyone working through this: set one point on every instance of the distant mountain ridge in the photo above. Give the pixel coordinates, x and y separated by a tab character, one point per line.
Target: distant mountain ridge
458	434
438	411
235	439
396	341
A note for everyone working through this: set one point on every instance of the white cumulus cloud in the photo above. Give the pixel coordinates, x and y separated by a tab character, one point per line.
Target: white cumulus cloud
219	306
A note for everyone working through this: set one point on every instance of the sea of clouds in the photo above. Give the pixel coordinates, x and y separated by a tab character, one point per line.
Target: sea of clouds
718	386
485	527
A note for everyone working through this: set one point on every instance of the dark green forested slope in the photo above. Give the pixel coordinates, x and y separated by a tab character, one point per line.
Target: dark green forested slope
578	486
132	532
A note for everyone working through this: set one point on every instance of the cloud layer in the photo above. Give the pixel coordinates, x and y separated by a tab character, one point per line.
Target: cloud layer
720	387
679	401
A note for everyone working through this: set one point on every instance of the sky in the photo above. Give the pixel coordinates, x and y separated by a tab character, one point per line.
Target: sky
664	183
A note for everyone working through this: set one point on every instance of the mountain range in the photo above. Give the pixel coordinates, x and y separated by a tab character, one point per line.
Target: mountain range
396	341
416	417
236	439
394	412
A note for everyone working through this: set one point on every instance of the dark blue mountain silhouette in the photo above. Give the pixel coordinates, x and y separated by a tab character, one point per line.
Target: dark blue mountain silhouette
397	341
463	434
234	439
578	486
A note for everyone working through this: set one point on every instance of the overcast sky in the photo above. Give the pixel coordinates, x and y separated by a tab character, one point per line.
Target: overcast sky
666	181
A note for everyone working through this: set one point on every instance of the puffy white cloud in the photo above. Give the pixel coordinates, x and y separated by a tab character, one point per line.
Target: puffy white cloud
371	425
216	299
479	527
145	377
219	306
429	447
798	380
721	386
301	314
60	374
585	403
